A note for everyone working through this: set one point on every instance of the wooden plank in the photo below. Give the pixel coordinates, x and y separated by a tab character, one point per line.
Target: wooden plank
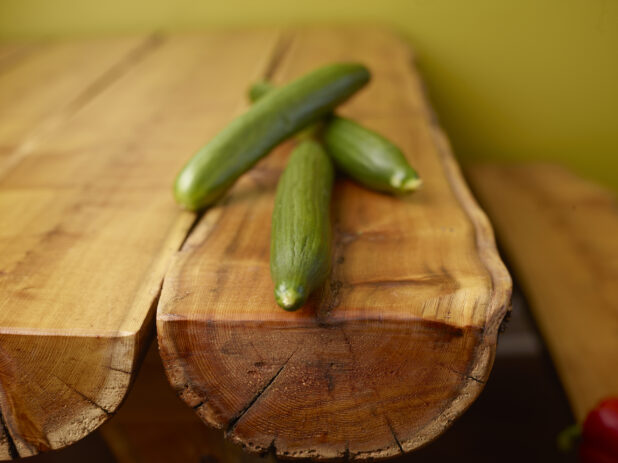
400	340
560	234
87	224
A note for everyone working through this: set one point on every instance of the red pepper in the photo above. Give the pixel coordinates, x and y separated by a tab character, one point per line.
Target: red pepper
600	434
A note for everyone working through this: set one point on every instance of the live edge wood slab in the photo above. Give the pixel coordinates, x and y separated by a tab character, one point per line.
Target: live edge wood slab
92	134
400	340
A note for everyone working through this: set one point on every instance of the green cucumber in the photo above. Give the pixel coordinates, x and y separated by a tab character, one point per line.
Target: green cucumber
368	157
363	154
300	251
280	114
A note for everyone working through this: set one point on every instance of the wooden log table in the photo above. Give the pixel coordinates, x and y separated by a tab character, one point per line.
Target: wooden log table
397	344
401	338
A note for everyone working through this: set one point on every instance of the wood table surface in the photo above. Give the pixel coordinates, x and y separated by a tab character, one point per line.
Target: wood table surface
560	235
401	338
92	133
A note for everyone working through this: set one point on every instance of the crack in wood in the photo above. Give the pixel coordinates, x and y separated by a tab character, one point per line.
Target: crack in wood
272	449
330	381
444	280
13	451
505	322
463	375
95	88
235	419
390	426
346	452
196	407
280	51
347	341
194	223
474	379
119	370
115	72
375	391
83	396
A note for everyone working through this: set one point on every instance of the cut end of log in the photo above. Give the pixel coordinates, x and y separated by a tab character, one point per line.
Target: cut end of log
55	390
327	393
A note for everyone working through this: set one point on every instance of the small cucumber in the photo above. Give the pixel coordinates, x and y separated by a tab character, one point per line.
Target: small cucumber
280	114
368	157
301	234
363	154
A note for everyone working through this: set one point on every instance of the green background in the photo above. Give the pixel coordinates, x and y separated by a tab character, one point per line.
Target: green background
510	80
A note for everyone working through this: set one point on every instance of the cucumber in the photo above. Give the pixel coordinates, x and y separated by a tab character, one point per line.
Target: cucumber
363	154
300	251
368	157
278	115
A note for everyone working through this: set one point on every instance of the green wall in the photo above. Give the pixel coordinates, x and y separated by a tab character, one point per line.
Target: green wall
512	80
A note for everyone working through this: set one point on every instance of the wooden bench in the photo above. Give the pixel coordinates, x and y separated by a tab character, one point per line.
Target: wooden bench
560	235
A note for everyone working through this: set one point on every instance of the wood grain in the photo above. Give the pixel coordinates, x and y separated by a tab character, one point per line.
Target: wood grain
560	234
96	134
42	84
400	340
155	426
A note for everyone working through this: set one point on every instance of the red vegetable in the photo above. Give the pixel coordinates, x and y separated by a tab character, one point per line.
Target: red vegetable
600	434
